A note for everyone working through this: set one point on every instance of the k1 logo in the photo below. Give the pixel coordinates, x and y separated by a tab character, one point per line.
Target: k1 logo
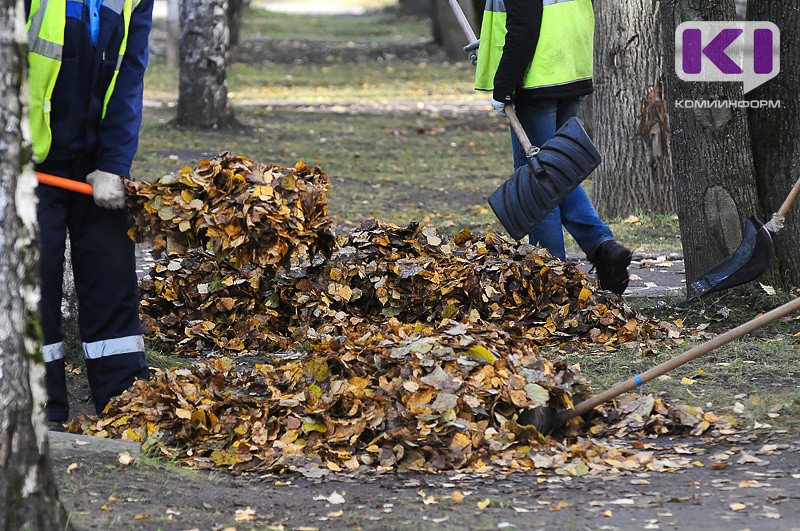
745	52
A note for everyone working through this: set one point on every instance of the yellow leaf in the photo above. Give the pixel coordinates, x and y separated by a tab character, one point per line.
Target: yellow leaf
483	504
585	294
737	506
482	353
687	381
310	425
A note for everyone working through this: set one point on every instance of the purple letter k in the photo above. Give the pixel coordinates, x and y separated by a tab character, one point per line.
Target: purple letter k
715	51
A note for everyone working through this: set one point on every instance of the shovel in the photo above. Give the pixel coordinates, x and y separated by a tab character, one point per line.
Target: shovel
751	258
547	419
553	171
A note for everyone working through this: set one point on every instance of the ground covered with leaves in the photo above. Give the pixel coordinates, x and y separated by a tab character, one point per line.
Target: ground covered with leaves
387	348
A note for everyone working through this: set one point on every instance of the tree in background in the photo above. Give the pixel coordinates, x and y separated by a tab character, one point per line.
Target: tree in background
447	33
28	495
775	132
711	153
236	9
203	86
629	111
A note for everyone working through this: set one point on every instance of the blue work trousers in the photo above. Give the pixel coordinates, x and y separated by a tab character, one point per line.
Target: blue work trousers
541	119
104	268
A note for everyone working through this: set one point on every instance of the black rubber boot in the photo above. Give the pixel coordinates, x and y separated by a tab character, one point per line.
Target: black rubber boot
611	261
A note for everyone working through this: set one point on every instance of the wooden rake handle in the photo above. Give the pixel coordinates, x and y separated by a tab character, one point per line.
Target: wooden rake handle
686	357
529	149
66	184
790	199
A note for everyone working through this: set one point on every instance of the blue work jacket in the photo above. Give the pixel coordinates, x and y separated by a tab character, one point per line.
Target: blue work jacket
76	118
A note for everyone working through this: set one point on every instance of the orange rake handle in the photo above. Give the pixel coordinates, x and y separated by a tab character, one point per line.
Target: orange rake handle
66	184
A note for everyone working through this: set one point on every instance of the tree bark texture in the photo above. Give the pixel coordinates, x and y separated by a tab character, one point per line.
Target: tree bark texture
416	8
631	126
203	86
28	495
447	31
236	9
711	153
776	133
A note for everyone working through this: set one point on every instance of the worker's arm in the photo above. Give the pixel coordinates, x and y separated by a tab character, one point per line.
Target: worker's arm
523	22
119	130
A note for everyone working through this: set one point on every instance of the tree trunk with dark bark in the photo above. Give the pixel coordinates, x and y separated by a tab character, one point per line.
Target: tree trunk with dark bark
446	30
630	112
712	160
776	133
203	86
416	8
236	9
28	495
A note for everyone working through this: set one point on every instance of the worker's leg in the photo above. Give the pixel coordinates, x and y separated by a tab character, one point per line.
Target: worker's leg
51	213
104	263
538	118
578	215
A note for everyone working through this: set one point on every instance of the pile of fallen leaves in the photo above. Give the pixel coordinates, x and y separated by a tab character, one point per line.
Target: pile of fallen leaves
424	402
397	348
241	212
193	303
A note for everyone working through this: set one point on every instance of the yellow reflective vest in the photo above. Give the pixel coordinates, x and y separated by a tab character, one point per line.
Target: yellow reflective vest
45	27
564	51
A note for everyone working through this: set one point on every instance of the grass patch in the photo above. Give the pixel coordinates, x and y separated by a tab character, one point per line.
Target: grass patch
358	82
164	361
649	232
372	27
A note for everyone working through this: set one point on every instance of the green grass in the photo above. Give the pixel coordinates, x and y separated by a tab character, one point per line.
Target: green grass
342	83
383	27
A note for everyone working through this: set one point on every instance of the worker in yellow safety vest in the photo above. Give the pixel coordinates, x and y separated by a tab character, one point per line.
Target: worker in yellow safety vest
537	55
86	75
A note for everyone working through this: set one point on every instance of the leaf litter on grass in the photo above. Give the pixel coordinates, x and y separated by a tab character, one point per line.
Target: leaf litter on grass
389	348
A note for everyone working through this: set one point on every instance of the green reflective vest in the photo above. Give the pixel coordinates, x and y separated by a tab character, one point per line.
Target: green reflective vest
563	53
46	23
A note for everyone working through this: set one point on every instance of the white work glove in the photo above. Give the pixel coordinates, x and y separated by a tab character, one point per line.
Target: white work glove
108	190
499	107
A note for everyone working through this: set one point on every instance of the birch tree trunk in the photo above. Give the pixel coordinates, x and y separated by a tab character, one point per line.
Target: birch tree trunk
203	86
712	158
630	112
28	496
776	133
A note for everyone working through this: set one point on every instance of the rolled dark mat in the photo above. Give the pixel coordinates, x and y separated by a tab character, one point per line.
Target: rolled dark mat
536	188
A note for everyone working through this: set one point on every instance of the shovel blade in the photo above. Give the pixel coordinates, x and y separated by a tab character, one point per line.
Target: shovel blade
746	264
535	189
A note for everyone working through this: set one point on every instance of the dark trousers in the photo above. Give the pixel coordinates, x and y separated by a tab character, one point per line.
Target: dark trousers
104	267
